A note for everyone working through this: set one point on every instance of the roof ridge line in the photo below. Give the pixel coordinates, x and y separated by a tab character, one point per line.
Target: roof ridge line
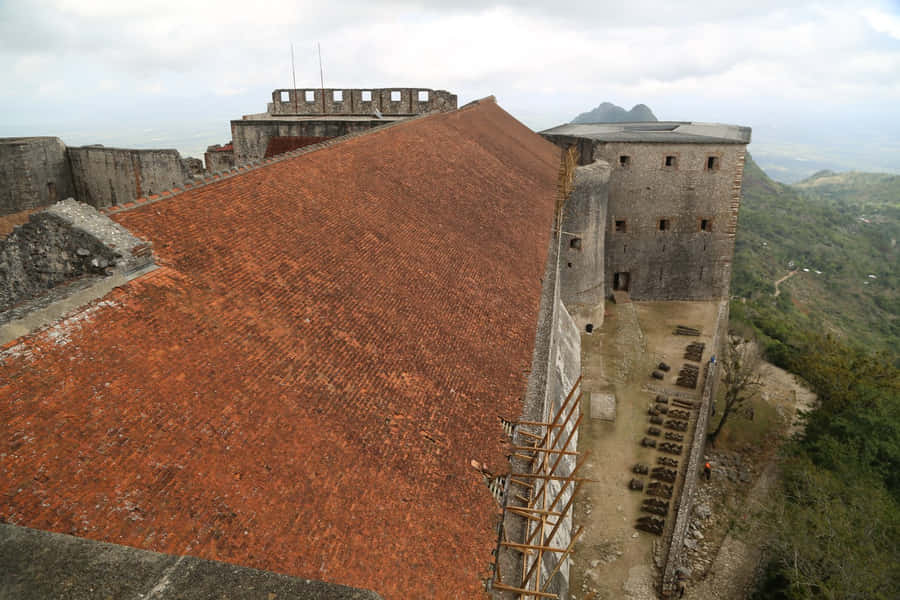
254	165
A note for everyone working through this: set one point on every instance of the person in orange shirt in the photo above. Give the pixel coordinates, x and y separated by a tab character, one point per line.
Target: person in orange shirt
707	470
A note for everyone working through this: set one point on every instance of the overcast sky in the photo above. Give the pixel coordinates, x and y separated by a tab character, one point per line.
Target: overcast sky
819	82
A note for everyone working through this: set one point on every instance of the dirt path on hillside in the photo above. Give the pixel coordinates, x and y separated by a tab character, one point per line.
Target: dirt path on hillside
782	280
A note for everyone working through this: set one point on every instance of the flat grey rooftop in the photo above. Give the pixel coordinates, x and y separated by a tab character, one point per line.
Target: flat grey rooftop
38	565
663	132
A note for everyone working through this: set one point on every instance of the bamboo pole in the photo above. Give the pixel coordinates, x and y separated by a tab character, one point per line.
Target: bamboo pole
559	562
556	527
508	588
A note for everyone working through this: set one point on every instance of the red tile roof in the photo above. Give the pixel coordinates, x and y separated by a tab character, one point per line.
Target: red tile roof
281	144
302	385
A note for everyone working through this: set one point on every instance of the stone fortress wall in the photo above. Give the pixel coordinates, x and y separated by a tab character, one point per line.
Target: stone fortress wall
112	176
671	206
34	172
671	227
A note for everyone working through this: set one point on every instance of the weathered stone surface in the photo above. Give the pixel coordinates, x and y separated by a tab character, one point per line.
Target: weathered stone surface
34	172
603	406
333	101
37	564
110	176
64	242
584	224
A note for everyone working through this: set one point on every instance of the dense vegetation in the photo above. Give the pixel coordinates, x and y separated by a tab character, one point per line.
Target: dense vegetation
844	230
836	523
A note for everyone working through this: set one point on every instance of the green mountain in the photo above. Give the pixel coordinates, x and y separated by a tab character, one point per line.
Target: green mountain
836	235
610	113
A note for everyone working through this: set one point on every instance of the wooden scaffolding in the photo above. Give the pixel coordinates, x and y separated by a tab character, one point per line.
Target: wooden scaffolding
542	496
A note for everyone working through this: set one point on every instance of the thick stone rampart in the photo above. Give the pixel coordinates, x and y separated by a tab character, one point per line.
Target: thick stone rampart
695	457
555	368
582	283
346	101
64	242
111	176
671	227
34	172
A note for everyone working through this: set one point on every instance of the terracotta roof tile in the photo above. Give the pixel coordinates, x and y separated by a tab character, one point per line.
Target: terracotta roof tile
303	383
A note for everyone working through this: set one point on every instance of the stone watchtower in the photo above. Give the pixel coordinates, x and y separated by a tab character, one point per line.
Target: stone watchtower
672	205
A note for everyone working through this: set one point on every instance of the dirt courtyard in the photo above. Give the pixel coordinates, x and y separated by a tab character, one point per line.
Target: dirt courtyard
613	559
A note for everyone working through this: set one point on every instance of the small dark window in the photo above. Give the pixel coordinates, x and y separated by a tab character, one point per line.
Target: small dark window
624	161
671	161
423	95
621	226
705	224
395	96
575	243
366	95
664	225
569	265
712	163
337	96
310	95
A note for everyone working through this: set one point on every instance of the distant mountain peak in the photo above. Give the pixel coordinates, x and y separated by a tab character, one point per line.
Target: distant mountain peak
608	112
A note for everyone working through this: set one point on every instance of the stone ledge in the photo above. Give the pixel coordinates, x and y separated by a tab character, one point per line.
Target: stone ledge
39	564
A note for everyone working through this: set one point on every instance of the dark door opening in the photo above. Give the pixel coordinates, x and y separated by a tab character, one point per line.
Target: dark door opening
621	281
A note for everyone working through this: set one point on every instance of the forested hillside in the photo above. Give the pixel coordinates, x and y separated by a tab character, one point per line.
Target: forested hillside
835	525
838	233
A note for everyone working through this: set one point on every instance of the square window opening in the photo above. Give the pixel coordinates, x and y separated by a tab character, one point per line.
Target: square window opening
337	96
575	243
366	95
712	163
310	95
664	225
624	161
671	161
705	224
395	96
621	226
423	95
285	96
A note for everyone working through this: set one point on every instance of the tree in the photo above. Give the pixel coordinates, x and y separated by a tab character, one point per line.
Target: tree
740	376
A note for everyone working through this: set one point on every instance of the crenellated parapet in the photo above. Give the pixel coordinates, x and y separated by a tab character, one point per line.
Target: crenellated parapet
360	101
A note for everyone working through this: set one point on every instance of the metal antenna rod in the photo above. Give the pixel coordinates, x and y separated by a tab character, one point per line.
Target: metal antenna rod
294	76
321	75
321	71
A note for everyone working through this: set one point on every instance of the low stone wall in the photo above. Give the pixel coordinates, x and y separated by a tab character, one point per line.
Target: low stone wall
40	564
111	176
219	159
251	137
695	458
66	241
